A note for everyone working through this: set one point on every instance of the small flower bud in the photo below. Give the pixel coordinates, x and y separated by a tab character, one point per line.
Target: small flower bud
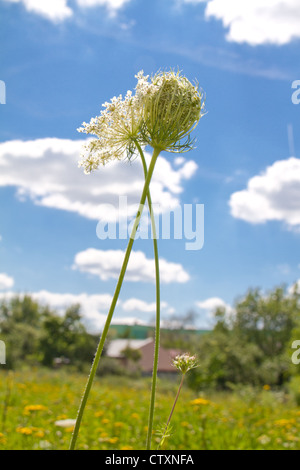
172	109
185	362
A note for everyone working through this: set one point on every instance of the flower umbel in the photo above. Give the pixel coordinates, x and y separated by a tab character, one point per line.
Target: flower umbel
172	109
162	112
185	362
117	128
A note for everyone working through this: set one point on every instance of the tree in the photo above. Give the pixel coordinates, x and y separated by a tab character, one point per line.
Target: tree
249	347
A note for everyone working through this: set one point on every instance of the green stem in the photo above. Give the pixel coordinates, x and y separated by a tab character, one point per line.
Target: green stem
157	322
114	301
172	410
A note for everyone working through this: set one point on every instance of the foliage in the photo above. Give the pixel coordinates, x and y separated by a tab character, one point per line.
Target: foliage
35	334
249	346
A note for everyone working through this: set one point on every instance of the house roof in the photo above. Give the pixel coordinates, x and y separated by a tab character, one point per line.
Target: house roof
146	347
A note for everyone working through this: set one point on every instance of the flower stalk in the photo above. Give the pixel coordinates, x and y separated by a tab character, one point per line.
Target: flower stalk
162	112
157	321
114	301
183	363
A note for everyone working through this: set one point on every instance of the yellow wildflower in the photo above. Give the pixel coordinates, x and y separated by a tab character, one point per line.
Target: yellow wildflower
113	440
284	422
119	424
266	387
24	430
29	408
200	401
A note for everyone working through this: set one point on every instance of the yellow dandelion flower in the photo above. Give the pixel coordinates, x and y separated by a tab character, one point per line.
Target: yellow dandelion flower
135	416
113	440
24	430
284	422
266	387
39	433
119	424
105	421
126	448
200	401
2	438
29	408
69	429
98	414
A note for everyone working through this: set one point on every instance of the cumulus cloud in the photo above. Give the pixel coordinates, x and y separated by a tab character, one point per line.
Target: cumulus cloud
53	10
212	303
139	305
45	171
208	308
106	264
272	195
6	282
256	21
59	10
112	5
94	307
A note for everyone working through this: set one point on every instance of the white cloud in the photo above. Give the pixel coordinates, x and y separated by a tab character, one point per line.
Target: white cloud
53	10
6	282
256	21
141	306
107	265
112	5
212	303
272	195
94	307
46	171
208	308
59	10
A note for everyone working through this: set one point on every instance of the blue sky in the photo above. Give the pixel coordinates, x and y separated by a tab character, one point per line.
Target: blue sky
60	60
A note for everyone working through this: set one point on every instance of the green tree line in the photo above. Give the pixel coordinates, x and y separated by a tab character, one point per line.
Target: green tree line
35	334
250	345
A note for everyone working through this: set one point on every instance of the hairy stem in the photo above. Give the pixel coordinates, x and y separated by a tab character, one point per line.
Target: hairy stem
157	321
172	411
114	301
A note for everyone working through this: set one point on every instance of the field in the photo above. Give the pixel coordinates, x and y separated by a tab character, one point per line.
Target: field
36	406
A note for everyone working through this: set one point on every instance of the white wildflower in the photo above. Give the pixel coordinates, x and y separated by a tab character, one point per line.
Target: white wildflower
116	129
65	423
172	107
162	112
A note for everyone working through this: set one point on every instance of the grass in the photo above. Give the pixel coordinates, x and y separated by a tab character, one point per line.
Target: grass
31	402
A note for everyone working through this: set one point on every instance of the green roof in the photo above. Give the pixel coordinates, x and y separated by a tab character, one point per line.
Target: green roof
144	331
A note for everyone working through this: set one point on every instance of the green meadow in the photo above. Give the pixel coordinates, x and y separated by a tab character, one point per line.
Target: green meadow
38	404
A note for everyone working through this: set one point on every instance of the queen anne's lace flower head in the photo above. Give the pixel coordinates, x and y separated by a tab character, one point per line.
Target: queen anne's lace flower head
185	362
162	112
117	127
172	107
